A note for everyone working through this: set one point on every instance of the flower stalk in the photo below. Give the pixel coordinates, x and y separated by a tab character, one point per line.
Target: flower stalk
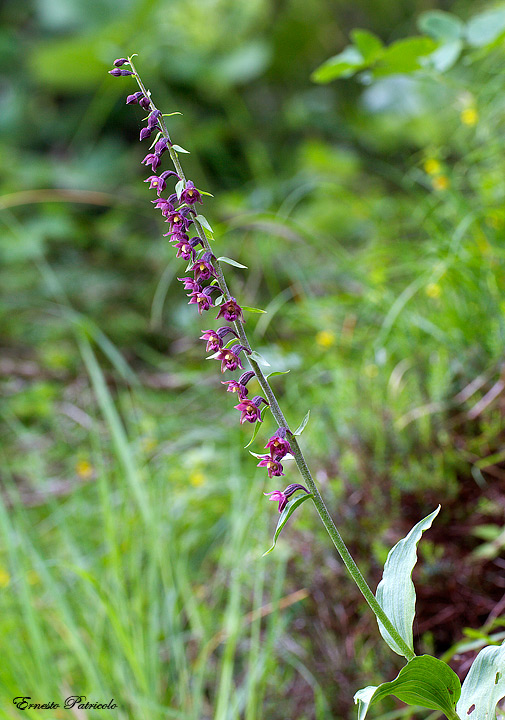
156	120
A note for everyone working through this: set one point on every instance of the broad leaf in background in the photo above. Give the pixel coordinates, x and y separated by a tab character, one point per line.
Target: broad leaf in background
285	515
395	592
486	27
424	681
484	685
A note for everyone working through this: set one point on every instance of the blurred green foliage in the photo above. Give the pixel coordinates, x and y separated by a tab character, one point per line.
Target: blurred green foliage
370	213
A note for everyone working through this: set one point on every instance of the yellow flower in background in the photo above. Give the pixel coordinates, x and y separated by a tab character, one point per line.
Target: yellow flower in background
196	478
469	116
432	166
325	339
33	577
5	578
371	370
84	469
441	182
433	290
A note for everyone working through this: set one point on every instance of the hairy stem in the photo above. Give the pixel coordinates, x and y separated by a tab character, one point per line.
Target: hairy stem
281	421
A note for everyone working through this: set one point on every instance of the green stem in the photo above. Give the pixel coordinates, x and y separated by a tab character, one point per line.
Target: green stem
281	421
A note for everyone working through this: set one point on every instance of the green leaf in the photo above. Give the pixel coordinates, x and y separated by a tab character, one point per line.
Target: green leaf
486	27
254	310
396	593
301	426
484	685
203	221
445	56
404	56
178	148
277	372
441	26
256	430
259	358
293	503
342	65
231	262
368	44
424	681
179	188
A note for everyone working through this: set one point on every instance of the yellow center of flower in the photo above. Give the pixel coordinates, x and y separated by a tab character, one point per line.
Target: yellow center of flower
228	356
269	465
177	218
202	266
190	193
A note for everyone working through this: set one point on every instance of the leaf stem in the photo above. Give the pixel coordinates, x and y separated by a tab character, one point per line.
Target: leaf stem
281	421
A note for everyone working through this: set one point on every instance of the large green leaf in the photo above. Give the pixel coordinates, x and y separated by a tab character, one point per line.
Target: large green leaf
440	25
339	66
405	56
486	27
368	44
395	592
294	502
424	681
484	685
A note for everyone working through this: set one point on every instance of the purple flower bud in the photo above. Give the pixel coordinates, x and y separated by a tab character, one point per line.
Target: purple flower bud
231	311
282	497
245	377
117	72
250	409
145	102
133	99
190	194
145	133
278	446
119	61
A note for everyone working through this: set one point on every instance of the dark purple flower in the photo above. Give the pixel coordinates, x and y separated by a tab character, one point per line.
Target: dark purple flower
160	148
240	386
278	445
202	298
190	194
203	267
231	311
273	467
152	120
164	205
234	386
145	133
133	99
186	248
153	160
119	61
229	357
117	72
145	102
215	338
282	497
177	220
250	409
189	283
